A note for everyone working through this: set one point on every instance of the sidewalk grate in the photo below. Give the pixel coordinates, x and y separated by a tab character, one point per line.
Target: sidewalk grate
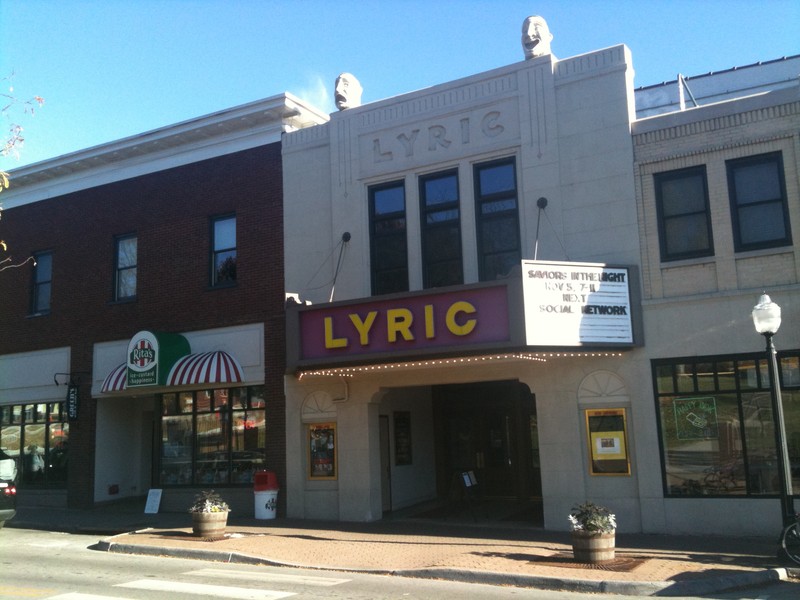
621	564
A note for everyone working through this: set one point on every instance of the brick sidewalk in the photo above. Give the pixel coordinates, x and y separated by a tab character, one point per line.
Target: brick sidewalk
391	552
498	553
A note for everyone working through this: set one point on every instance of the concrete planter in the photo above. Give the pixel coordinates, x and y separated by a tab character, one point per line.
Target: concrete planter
591	547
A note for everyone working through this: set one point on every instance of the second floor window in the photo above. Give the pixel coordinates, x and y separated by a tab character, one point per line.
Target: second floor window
497	219
42	283
684	222
388	242
758	202
223	250
125	271
441	230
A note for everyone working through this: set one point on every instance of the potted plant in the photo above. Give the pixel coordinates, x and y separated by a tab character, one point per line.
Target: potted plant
593	532
209	514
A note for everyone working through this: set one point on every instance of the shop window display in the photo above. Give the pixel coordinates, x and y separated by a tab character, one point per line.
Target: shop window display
36	437
716	425
212	436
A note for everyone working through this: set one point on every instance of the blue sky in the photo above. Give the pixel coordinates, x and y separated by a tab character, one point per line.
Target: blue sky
108	69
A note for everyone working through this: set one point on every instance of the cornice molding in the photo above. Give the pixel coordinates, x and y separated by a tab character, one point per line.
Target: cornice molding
232	130
715	124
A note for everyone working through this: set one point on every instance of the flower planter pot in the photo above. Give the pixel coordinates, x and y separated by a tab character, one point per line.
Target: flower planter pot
209	524
590	547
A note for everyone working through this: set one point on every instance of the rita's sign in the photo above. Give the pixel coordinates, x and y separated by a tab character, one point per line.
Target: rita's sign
413	324
152	355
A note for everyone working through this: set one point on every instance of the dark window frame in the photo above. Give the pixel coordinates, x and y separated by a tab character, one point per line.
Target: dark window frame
120	269
38	285
187	461
484	218
665	218
748	379
434	218
230	278
381	230
47	417
739	222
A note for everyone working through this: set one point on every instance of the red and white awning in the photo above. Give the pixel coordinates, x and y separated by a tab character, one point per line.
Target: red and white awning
117	380
192	369
206	367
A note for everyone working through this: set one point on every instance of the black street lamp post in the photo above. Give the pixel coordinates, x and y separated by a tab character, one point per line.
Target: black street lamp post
767	320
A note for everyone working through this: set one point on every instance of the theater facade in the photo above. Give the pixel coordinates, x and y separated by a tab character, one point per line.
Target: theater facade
481	300
478	312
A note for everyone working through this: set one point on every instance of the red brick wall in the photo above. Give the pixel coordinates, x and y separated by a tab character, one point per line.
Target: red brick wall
170	213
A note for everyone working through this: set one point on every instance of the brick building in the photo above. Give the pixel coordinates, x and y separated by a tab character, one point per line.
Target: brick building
167	245
718	202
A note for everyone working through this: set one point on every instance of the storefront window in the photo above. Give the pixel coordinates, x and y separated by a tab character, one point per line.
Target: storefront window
36	436
790	369
716	425
57	457
176	439
212	436
10	437
748	374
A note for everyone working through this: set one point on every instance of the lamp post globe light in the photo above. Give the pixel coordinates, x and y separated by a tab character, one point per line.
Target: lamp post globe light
767	320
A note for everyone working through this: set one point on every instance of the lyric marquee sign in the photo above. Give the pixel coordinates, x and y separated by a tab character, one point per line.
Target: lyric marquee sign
409	324
571	304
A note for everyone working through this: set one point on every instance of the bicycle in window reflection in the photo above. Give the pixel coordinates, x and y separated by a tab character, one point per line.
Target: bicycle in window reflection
723	477
790	540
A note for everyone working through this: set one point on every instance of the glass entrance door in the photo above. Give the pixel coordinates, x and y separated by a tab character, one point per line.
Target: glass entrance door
485	428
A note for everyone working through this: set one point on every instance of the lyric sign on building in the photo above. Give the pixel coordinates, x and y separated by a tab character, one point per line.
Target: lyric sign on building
412	324
448	137
571	304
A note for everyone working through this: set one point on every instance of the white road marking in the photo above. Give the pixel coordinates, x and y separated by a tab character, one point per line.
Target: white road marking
219	591
265	576
78	596
49	544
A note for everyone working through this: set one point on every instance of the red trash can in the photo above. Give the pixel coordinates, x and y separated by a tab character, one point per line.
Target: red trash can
265	493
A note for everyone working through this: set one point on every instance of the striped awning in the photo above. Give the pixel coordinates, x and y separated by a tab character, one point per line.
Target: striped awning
192	369
117	380
206	367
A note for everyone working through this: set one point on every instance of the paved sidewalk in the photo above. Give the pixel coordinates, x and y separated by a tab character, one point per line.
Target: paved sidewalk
495	553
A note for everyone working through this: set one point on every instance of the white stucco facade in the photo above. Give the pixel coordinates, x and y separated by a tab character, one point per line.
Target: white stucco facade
571	129
566	124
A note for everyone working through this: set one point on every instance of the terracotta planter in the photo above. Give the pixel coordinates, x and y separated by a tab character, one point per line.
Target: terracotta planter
590	547
209	524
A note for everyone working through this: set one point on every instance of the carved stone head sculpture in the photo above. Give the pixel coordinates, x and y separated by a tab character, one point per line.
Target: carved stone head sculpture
536	37
348	91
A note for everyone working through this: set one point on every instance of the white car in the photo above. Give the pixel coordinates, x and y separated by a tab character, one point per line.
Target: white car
8	467
8	488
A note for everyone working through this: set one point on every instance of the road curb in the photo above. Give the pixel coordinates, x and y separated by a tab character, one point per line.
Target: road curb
693	587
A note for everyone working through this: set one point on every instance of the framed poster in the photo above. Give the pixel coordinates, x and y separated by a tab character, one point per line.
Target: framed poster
608	447
402	438
322	451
